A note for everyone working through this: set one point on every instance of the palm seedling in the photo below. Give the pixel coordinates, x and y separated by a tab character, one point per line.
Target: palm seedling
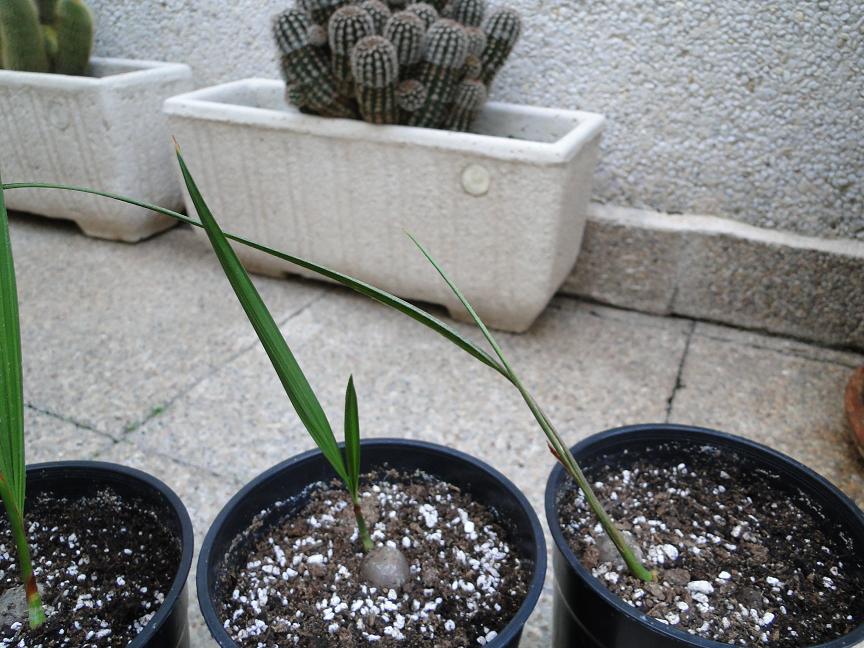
300	392
13	474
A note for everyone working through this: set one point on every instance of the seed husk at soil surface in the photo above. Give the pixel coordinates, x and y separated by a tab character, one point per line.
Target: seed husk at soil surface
741	557
297	577
104	565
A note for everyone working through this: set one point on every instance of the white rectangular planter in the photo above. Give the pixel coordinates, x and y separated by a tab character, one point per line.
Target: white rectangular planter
105	131
502	209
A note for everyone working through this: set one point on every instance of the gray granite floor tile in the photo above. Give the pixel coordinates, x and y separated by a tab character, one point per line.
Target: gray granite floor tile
49	438
780	398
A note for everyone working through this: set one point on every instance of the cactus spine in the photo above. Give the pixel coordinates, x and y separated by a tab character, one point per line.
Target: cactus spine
348	26
426	63
376	71
440	71
502	31
48	36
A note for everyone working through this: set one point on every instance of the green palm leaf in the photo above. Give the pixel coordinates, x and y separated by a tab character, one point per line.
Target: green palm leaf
352	438
293	380
13	473
11	390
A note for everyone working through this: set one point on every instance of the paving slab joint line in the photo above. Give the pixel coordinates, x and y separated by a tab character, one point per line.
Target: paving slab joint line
678	382
71	421
732	327
795	353
161	408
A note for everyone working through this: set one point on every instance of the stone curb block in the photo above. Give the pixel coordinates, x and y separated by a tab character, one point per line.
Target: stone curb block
721	270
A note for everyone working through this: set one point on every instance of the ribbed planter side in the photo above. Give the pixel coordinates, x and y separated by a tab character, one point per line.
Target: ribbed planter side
502	208
105	131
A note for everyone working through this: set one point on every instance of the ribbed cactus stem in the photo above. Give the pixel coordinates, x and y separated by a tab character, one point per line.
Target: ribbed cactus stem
347	27
306	67
46	11
319	11
476	40
425	11
376	71
502	29
379	11
469	99
410	95
21	37
406	31
440	71
74	25
438	5
473	67
468	12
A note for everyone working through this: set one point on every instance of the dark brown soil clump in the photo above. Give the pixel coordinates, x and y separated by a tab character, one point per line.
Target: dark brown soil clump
742	557
104	565
298	582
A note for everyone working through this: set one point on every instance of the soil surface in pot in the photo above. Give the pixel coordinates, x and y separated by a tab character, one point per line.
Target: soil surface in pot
104	565
741	558
298	581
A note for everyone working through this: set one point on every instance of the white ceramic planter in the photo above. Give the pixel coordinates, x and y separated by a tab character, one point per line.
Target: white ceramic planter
105	131
502	209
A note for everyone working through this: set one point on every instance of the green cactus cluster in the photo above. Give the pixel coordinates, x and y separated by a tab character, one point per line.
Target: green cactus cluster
427	64
45	36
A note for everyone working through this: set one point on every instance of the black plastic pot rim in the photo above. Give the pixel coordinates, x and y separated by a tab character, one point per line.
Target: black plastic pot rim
574	563
187	539
507	633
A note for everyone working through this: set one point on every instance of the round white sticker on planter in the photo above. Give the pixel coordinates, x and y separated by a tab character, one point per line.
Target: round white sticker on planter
475	180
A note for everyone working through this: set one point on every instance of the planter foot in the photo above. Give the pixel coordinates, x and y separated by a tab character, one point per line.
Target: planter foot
126	232
510	322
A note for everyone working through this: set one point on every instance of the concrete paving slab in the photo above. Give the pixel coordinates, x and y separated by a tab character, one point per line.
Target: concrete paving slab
49	438
112	332
777	397
578	360
783	345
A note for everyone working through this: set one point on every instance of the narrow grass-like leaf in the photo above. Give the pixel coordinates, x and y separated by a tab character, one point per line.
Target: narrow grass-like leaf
11	381
352	438
296	386
556	443
361	287
13	475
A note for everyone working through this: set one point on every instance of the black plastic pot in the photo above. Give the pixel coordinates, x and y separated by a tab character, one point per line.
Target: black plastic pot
288	480
587	614
169	627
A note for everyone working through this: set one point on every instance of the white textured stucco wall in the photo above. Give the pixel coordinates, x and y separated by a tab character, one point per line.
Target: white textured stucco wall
748	109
